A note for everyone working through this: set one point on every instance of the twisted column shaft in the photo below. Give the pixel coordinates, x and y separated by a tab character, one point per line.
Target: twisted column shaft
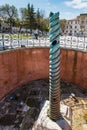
54	76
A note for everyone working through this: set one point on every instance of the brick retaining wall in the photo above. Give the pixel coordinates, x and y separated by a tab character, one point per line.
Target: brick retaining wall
22	65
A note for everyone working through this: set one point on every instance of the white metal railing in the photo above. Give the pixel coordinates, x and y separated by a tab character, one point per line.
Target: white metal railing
8	41
70	42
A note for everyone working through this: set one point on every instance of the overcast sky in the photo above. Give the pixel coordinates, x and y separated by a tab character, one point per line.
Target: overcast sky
68	9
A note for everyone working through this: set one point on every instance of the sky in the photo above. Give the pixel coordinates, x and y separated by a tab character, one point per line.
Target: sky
68	9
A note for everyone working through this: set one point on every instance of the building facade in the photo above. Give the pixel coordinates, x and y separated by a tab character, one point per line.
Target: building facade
77	26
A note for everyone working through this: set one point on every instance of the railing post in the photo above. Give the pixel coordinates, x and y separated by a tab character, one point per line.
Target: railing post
54	76
3	42
71	42
77	42
11	40
18	40
65	41
84	44
27	39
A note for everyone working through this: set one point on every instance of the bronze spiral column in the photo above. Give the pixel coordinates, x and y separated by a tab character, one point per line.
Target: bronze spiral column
54	69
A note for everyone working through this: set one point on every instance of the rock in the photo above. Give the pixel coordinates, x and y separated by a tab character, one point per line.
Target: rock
25	108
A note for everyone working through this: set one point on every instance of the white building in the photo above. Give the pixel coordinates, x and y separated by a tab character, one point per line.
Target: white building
77	26
83	23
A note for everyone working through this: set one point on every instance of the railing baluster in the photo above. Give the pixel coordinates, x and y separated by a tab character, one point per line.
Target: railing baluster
65	42
3	42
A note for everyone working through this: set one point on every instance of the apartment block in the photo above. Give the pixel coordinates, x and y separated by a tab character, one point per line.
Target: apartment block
77	26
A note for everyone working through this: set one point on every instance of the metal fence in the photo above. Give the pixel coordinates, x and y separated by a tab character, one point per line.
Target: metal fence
11	41
71	42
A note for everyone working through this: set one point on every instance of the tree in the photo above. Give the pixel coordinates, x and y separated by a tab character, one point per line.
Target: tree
38	19
9	13
62	25
44	22
23	13
28	14
34	20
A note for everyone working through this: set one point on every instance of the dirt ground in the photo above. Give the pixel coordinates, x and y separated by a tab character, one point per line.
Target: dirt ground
20	108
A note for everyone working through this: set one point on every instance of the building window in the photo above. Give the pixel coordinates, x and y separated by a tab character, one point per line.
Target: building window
82	27
70	32
82	22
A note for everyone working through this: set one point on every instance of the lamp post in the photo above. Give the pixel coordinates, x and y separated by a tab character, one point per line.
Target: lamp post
54	77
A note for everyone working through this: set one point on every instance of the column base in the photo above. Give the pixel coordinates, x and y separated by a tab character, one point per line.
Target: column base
45	123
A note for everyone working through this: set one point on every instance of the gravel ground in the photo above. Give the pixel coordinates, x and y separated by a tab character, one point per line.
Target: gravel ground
20	109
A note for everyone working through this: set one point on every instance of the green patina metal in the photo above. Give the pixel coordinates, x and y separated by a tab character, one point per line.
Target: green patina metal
54	76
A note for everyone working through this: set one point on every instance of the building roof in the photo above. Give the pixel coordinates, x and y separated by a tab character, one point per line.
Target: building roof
83	14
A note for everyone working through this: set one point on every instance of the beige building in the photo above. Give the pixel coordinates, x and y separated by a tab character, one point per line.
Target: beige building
82	19
77	26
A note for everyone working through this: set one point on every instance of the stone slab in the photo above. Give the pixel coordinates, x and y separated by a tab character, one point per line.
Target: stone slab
45	123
